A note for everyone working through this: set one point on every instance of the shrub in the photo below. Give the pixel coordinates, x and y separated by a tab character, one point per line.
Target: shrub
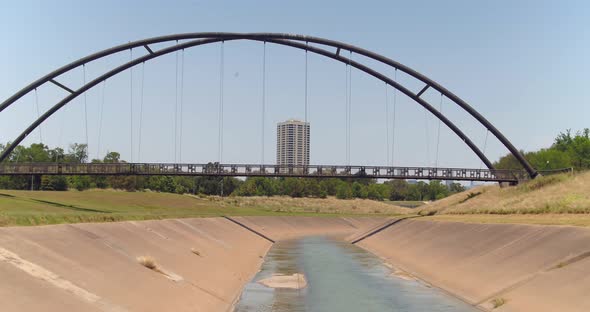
498	302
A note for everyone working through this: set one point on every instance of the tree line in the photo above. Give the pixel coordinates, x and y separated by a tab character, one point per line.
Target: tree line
347	188
568	150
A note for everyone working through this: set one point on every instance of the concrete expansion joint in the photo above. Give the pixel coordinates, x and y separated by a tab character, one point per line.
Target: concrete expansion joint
382	227
250	229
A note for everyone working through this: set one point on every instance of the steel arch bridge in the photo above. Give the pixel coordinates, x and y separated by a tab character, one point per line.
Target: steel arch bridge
328	48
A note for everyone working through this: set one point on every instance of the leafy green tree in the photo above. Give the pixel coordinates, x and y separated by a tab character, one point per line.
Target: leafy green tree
80	183
112	157
568	150
247	188
57	154
398	189
374	192
359	190
549	158
344	191
54	183
456	188
580	149
418	191
77	153
294	187
331	185
437	190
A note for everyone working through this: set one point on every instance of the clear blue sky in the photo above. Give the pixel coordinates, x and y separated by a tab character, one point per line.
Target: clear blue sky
523	64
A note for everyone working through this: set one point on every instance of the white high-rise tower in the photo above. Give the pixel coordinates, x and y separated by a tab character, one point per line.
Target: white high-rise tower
293	143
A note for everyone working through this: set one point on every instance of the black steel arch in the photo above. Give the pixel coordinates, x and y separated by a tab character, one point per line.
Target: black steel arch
283	39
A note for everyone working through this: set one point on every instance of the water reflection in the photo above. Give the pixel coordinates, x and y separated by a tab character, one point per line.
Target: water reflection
341	277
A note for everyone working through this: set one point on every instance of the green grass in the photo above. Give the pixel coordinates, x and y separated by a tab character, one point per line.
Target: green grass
20	208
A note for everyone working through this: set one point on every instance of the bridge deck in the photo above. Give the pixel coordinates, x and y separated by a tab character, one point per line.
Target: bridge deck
253	170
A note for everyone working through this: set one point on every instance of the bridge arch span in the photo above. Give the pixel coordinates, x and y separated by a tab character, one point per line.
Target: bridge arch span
295	41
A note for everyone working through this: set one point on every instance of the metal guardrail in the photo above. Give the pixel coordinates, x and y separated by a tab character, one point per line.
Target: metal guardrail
556	171
254	170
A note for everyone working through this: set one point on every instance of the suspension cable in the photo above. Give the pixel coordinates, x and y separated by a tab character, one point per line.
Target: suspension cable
18	155
346	113
387	122
131	105
349	104
427	138
104	84
181	105
485	144
85	110
37	106
438	131
176	106
61	126
141	111
305	114
393	121
263	99
220	121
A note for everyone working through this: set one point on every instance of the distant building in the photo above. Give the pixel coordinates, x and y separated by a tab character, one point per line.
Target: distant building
293	143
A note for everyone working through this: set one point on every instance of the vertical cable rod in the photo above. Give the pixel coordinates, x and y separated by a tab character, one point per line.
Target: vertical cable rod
485	144
181	105
85	110
141	111
393	121
104	84
427	138
349	105
438	131
131	104
263	101
346	114
387	122
176	106
220	122
305	113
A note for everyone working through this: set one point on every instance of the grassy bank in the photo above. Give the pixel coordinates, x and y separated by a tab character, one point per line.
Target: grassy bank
38	208
557	199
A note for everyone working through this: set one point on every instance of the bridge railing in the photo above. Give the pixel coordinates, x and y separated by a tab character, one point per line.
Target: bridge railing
215	169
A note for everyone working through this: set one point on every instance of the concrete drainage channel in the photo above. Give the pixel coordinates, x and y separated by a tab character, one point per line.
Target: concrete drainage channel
94	267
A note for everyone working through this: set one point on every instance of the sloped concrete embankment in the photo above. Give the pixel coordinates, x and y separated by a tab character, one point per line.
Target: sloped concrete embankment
281	228
521	267
201	264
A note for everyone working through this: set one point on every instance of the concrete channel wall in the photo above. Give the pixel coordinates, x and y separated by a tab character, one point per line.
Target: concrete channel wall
523	267
201	264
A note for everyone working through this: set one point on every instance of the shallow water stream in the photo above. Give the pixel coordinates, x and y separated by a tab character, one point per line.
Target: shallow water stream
341	277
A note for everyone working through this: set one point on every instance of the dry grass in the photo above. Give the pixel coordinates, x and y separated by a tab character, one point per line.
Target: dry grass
498	302
558	194
39	207
149	263
328	205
